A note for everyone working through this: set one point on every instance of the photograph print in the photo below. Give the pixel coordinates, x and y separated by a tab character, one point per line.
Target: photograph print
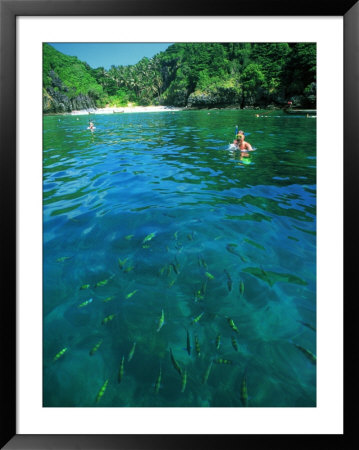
179	224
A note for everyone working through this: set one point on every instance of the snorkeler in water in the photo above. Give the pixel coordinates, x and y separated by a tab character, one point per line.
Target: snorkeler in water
240	142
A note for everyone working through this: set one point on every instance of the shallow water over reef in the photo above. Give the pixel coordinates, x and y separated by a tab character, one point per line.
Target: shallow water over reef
159	239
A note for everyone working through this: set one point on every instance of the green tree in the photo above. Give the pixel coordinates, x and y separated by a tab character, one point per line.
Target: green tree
271	57
253	83
300	68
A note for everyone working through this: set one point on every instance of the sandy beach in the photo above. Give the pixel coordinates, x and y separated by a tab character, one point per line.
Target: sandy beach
126	109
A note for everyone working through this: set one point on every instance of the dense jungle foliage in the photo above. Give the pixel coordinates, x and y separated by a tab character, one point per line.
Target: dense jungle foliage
244	75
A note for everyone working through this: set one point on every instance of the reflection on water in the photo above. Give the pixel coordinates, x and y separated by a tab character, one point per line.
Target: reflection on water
157	238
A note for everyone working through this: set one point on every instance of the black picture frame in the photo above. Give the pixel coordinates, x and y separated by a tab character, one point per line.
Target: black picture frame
9	10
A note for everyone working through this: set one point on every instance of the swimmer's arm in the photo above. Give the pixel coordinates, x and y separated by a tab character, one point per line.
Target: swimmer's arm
248	146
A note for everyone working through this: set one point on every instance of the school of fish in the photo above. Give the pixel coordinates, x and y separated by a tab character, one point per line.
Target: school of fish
196	358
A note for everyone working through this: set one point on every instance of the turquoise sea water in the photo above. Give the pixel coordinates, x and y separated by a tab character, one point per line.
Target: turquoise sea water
151	216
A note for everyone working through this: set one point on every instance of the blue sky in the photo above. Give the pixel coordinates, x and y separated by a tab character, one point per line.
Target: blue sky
108	54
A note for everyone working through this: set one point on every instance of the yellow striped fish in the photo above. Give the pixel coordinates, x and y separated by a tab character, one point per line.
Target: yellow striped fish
132	351
122	369
244	394
158	381
175	363
131	294
208	371
60	353
184	380
85	303
161	321
196	346
234	343
101	391
312	358
108	319
232	325
96	347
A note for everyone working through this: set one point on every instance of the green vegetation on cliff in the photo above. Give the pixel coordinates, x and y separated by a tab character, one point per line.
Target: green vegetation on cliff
187	74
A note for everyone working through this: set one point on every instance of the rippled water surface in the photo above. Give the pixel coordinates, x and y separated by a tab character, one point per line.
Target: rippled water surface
151	217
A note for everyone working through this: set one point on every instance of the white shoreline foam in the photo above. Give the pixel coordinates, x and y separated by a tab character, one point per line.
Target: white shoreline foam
125	109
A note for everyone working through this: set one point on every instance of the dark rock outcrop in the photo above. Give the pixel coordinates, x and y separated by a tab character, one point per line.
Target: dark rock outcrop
175	97
54	101
57	98
218	97
82	102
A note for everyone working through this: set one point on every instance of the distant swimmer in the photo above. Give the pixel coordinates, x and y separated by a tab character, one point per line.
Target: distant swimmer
91	126
257	115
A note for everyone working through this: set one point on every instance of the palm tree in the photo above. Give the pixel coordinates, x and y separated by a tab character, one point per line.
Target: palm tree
114	74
